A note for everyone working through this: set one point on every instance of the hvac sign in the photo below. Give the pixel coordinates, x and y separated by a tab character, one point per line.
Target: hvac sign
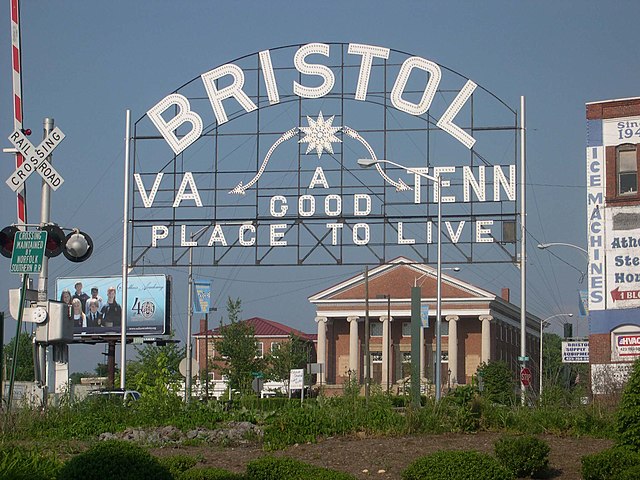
263	153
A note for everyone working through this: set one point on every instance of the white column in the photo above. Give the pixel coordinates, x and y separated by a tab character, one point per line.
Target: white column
386	350
322	349
486	337
453	347
353	344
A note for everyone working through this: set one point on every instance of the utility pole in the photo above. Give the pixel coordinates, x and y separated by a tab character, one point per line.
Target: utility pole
367	335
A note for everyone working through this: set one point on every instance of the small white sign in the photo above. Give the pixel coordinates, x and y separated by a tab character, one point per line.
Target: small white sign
35	159
296	379
575	352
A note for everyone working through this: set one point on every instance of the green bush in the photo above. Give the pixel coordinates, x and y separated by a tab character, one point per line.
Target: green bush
114	460
631	473
628	417
284	468
609	464
177	464
209	473
21	463
456	465
525	456
498	384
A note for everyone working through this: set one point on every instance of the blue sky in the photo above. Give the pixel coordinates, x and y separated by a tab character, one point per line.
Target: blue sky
85	63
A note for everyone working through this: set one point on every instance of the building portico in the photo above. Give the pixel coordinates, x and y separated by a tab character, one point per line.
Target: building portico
477	326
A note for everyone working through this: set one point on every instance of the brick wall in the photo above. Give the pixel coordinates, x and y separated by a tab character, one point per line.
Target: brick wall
600	348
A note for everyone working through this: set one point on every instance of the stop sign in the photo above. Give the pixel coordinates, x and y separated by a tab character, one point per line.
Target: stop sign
525	376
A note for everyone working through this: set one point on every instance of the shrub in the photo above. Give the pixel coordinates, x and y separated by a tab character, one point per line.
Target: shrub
456	465
209	473
177	464
20	463
609	464
628	417
631	473
498	383
284	468
525	456
114	460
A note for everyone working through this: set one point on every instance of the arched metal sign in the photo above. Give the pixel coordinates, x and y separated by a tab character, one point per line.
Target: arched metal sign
255	163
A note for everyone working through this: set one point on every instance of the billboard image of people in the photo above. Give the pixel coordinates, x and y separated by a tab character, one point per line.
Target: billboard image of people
100	312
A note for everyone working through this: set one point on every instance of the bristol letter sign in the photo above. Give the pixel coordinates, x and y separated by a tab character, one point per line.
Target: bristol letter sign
255	162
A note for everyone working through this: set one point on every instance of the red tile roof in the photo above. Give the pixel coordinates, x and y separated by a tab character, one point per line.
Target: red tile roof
267	328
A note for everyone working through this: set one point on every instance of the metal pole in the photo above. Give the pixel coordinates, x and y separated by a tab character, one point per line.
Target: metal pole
389	377
43	276
45	214
416	325
206	354
439	297
523	245
125	256
540	385
187	382
367	332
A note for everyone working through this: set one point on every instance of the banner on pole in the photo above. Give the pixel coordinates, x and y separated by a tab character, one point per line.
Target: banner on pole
424	316
203	296
583	303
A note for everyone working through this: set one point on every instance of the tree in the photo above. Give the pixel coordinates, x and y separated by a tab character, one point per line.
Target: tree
289	355
24	368
157	370
628	416
498	382
551	360
238	349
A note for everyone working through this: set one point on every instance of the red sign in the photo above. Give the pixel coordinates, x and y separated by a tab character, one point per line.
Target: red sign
525	376
618	294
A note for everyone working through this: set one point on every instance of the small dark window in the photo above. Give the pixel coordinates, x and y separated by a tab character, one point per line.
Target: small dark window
627	170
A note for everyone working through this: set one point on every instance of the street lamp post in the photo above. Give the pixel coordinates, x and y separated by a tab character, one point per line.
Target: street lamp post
368	162
542	246
188	350
544	323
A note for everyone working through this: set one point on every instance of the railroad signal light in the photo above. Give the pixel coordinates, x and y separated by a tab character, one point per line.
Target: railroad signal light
7	238
55	240
78	246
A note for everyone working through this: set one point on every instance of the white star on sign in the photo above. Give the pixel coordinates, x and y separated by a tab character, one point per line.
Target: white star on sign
320	135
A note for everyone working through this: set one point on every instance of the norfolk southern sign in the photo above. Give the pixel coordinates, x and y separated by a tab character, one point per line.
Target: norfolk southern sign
260	155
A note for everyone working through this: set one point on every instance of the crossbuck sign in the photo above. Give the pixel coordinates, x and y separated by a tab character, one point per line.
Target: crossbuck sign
35	159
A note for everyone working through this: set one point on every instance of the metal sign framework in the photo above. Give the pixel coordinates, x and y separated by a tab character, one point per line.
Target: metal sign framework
280	185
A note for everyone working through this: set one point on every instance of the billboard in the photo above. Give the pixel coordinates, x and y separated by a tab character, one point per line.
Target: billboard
96	305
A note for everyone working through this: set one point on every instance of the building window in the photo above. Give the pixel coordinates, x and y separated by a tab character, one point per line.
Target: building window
375	329
275	346
406	329
627	170
376	357
260	348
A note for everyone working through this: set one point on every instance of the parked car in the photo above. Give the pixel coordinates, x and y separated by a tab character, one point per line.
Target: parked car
125	396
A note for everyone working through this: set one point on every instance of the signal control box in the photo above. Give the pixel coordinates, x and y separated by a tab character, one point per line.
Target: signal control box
54	323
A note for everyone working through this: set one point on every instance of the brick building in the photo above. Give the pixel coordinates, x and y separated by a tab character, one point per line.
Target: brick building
477	326
268	334
613	231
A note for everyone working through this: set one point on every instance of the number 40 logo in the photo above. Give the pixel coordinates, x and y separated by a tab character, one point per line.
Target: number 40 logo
144	308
